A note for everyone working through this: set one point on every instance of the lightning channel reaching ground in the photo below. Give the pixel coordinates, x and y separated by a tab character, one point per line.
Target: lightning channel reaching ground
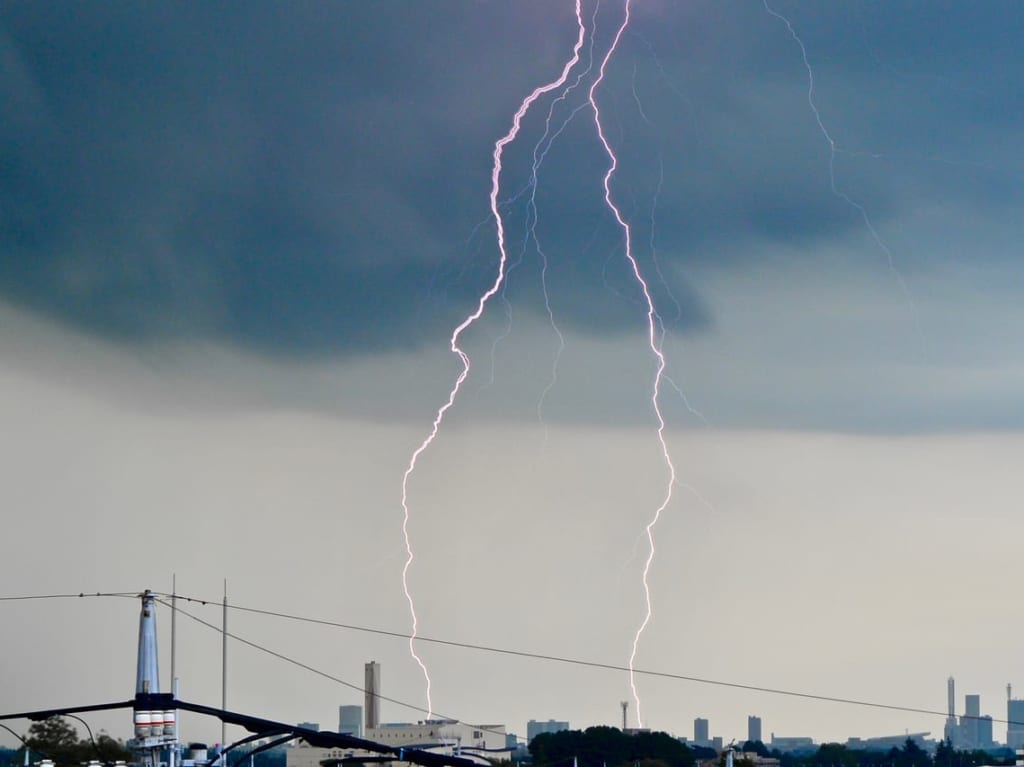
499	279
654	341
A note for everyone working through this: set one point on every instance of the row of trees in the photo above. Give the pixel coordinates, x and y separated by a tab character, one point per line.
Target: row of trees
909	755
838	755
610	747
58	740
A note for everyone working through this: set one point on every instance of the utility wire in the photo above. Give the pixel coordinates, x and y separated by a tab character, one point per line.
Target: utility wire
261	648
80	595
560	659
324	674
305	666
88	729
24	744
479	648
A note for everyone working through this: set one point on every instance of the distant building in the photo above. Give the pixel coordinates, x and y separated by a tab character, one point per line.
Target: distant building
969	722
350	720
753	728
314	726
305	755
792	743
972	705
439	732
700	731
757	760
1015	723
535	728
437	735
886	742
985	738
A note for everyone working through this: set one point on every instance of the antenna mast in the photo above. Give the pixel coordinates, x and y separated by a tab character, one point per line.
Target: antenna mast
224	669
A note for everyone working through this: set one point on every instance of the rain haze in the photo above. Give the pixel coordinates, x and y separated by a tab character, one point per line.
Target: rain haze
236	239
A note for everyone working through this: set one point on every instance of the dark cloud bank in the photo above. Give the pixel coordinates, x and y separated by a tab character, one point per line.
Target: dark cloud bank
305	179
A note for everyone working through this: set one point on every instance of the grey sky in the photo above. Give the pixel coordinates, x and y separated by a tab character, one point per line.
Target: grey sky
234	240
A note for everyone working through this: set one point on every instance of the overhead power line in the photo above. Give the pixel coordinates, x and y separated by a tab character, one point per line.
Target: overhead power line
79	595
312	669
563	660
468	646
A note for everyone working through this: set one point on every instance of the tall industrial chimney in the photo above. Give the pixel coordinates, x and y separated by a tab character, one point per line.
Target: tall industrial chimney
371	690
951	731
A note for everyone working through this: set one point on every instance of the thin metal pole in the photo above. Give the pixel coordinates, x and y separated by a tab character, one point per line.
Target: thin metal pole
173	750
174	634
224	667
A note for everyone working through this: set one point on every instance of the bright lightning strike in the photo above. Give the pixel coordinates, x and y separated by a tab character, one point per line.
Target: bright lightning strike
654	341
499	148
540	152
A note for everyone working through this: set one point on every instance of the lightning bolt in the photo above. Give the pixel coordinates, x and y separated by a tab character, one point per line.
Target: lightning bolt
499	148
540	152
654	341
653	247
833	151
532	216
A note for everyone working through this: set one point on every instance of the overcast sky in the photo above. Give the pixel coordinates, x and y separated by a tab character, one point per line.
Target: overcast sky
235	239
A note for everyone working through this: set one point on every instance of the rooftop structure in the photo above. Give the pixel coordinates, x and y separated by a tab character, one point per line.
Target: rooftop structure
886	742
350	720
754	728
791	743
700	730
1015	720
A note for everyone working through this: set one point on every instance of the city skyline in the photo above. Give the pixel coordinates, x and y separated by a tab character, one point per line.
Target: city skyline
965	735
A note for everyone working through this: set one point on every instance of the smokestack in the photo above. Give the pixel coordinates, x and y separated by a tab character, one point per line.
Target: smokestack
371	690
625	707
951	694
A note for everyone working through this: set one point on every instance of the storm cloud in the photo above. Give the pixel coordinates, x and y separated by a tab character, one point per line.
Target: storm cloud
311	179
